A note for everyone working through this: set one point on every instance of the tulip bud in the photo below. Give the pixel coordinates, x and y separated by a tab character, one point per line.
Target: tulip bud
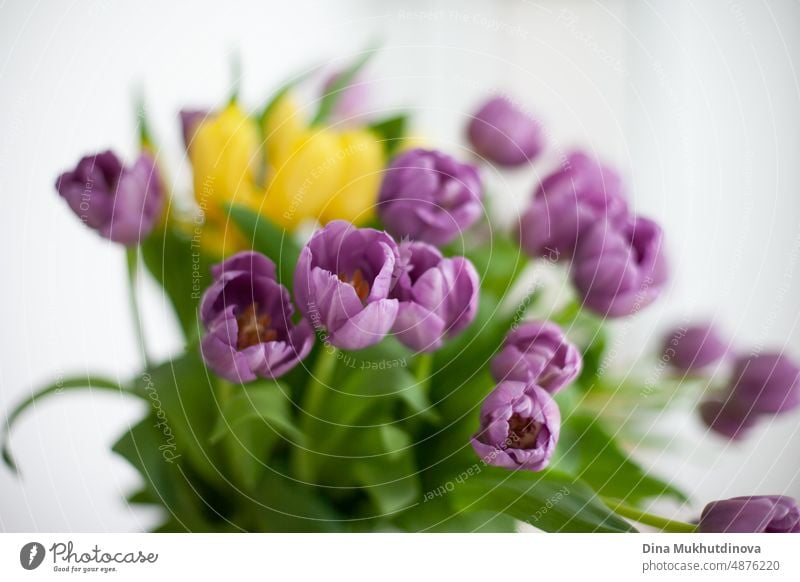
755	514
504	134
352	101
342	283
568	203
618	271
694	348
537	352
428	196
248	320
766	383
728	417
222	152
438	296
190	121
121	203
519	427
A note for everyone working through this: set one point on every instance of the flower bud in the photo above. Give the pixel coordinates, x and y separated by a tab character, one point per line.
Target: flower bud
618	271
537	352
766	383
694	348
122	203
247	315
342	283
519	427
755	514
438	296
727	417
222	152
568	202
352	102
428	196
504	134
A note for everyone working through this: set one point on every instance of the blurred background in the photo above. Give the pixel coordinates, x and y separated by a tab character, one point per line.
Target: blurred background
697	103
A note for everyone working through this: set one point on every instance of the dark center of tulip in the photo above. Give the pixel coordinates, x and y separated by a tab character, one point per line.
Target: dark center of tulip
358	282
254	328
522	432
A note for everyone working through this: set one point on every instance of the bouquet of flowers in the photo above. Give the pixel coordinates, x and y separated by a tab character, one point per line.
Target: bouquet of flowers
364	347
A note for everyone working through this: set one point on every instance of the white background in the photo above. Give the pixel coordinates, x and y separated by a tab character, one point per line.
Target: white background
697	103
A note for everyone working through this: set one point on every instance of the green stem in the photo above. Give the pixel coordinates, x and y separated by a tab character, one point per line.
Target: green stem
662	523
315	393
132	256
424	367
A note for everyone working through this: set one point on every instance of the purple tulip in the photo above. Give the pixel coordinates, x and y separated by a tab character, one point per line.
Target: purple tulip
727	417
190	119
504	134
767	383
429	196
520	424
438	297
569	202
121	203
618	271
247	315
694	348
342	283
537	352
755	514
351	101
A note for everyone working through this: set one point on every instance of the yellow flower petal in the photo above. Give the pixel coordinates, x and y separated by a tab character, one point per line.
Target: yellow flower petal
223	152
363	161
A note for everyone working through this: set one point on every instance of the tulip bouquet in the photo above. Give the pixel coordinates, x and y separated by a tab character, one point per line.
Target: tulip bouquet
364	350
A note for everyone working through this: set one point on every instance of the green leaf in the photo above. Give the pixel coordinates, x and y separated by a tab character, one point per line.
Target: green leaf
466	356
270	239
250	425
283	504
344	80
391	130
498	263
264	403
166	481
437	516
363	388
388	472
80	382
549	500
181	270
181	395
593	455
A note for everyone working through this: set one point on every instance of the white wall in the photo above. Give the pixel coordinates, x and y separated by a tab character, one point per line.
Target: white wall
696	102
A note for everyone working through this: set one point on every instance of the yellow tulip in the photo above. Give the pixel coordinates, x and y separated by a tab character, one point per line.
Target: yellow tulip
318	173
363	161
301	185
282	128
223	153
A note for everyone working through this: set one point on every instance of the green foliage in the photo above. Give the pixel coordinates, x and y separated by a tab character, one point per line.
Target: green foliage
591	453
79	382
550	500
499	263
268	238
181	269
391	130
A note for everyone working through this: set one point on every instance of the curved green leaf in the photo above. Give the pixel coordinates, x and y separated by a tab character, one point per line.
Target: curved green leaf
90	382
551	501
